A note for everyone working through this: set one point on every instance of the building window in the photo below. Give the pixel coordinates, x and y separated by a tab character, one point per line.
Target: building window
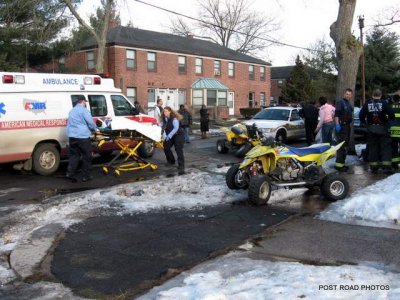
211	97
217	68
262	99
280	83
90	60
182	64
197	97
231	69
199	66
131	94
151	61
130	59
222	99
251	72
262	73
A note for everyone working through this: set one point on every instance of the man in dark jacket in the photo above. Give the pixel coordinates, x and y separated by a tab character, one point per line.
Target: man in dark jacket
343	120
310	115
376	113
186	121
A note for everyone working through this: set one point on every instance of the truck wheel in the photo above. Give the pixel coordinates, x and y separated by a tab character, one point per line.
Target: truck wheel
234	178
281	136
259	190
241	152
146	150
221	147
45	159
334	187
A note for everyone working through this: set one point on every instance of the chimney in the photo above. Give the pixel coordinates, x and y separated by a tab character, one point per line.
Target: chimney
189	35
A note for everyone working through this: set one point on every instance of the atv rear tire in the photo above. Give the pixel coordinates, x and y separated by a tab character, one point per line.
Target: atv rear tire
221	147
241	152
234	178
259	190
334	187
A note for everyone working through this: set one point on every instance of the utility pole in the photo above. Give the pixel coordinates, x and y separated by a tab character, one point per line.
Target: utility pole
362	58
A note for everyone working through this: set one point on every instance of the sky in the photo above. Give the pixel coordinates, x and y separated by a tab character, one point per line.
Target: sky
303	22
228	276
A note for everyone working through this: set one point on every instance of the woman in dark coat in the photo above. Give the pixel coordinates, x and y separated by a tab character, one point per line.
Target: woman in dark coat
174	136
204	119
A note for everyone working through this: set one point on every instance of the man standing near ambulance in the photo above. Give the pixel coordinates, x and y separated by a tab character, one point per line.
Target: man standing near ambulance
79	127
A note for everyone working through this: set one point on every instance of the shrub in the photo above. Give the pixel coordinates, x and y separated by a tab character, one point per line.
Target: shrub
249	112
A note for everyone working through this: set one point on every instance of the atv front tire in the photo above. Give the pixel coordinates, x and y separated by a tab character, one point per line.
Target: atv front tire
259	190
334	187
234	178
221	146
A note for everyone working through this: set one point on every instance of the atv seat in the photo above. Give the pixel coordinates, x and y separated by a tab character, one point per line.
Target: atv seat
314	149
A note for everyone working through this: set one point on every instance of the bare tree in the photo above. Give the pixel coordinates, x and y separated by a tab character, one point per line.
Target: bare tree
390	16
101	35
231	23
348	48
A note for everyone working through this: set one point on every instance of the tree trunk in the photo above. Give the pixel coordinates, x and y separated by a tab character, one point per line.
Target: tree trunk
100	39
348	51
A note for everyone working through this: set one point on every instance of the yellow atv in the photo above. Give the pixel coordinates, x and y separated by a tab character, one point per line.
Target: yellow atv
240	138
269	166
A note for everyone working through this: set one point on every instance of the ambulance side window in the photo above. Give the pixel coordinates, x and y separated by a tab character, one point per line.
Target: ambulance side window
98	105
122	107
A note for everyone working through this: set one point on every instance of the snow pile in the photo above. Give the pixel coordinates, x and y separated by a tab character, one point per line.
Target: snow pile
244	278
376	205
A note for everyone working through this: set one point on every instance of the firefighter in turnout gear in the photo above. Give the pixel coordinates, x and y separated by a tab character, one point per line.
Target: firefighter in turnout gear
376	113
395	132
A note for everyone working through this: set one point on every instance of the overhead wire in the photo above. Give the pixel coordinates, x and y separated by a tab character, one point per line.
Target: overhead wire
224	28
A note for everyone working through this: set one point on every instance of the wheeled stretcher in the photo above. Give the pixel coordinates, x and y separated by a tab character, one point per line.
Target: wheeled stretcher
129	136
128	141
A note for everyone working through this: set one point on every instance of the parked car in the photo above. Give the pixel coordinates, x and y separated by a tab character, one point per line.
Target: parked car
358	127
281	122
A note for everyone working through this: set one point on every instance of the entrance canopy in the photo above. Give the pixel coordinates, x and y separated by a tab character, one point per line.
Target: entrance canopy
208	84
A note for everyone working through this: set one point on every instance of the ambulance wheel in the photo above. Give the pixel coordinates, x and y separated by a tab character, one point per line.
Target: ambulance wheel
146	150
259	190
45	159
234	178
221	147
334	187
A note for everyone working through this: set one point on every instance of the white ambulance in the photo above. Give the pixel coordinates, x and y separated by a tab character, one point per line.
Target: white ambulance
34	110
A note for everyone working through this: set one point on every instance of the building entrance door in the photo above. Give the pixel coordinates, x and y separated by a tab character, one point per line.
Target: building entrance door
231	103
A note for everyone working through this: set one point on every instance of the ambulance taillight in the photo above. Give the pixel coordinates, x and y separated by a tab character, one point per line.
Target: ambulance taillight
97	80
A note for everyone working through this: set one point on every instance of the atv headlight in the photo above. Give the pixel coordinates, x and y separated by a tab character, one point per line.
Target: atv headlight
267	130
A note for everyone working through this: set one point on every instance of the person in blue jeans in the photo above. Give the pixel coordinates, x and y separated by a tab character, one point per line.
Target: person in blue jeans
343	120
185	122
80	125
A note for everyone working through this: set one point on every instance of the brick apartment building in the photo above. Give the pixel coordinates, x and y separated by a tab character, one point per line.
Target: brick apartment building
180	70
278	77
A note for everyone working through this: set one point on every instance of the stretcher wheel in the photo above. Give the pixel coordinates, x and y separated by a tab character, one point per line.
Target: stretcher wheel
105	170
117	173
